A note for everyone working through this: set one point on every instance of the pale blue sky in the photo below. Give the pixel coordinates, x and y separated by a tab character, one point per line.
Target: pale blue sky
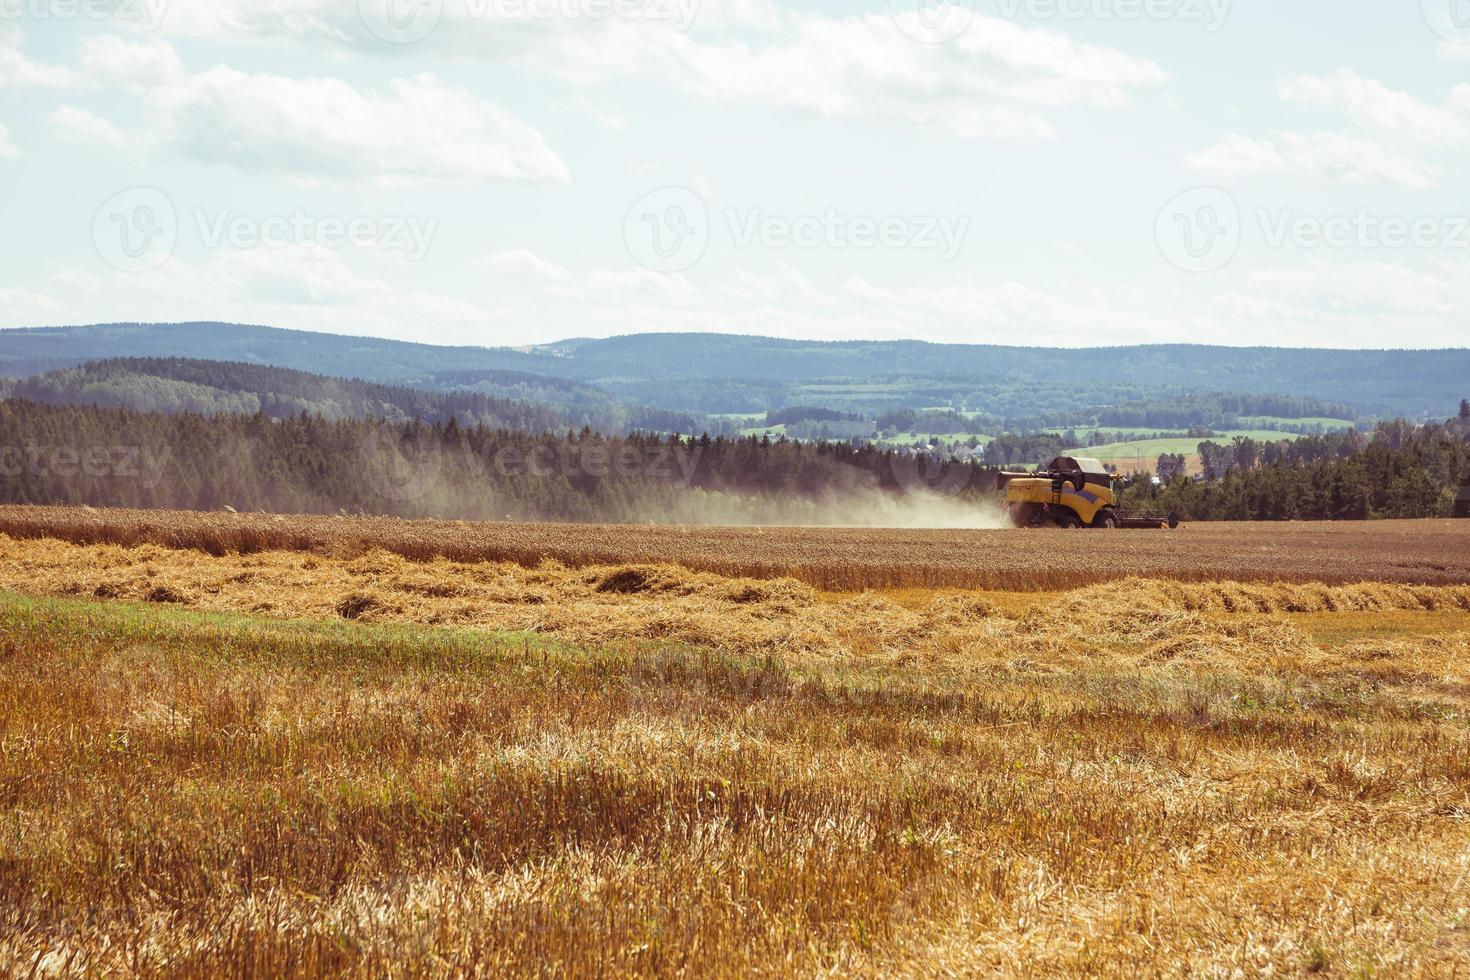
1052	172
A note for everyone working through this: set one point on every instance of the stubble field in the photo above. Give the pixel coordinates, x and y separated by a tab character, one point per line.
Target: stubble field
331	758
1430	552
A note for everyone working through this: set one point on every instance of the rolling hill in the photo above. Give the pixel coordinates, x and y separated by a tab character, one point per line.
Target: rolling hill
176	385
723	373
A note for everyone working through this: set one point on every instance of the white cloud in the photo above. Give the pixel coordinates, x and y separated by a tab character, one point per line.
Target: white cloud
1315	304
1376	108
250	18
1389	135
7	148
997	80
522	264
785	302
18	71
605	114
1353	159
759	15
342	22
21	306
303	287
135	65
79	126
1237	155
1352	304
418	128
322	127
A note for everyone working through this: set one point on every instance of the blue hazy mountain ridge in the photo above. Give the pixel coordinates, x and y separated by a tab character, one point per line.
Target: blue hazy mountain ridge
753	369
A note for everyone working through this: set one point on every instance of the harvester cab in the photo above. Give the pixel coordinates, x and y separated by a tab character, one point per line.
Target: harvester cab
1072	492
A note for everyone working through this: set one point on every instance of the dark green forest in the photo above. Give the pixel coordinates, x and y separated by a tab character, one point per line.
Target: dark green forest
1399	471
496	399
310	464
1220	410
174	385
313	464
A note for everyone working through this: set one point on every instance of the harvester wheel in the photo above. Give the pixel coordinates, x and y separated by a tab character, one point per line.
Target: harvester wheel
1105	520
1068	521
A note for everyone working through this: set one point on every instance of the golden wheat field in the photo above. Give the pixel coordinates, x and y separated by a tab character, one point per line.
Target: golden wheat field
1425	552
247	747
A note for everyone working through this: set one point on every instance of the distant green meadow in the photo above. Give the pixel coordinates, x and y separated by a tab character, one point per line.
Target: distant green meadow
1150	449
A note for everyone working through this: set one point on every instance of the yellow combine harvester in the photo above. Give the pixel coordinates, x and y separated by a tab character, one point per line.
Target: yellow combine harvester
1072	492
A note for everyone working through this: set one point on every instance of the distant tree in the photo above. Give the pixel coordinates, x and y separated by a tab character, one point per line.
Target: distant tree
1170	467
1395	434
1215	459
1244	452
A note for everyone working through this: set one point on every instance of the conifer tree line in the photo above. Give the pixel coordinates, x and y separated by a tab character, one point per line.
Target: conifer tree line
1398	471
306	463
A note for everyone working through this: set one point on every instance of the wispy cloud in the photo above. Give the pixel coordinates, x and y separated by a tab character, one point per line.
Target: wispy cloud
417	128
1389	136
997	80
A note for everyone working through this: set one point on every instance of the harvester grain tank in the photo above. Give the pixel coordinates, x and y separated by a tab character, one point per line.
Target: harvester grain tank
1072	492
